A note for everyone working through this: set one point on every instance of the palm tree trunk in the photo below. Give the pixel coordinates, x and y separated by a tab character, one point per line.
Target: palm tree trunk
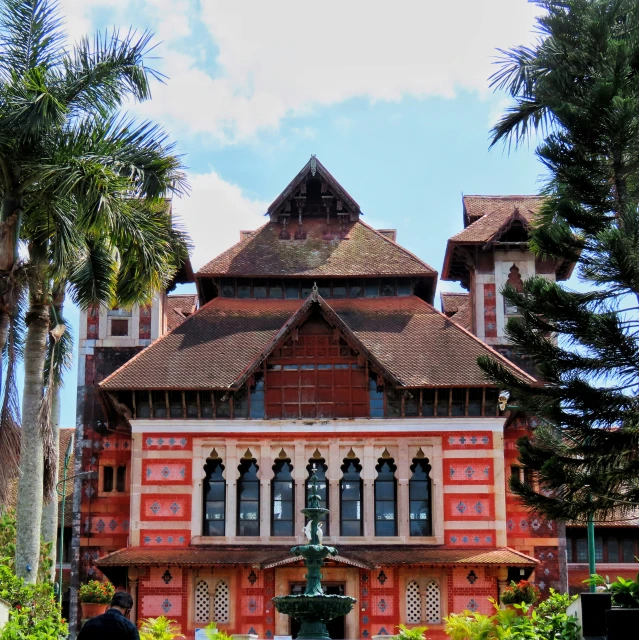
49	528
30	498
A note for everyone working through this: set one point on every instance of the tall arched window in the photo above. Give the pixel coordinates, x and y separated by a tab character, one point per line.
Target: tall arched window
322	487
351	498
248	499
420	499
221	602
413	603
202	602
386	498
433	603
283	499
214	499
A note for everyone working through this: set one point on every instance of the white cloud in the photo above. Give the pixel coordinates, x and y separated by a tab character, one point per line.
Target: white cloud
280	58
214	214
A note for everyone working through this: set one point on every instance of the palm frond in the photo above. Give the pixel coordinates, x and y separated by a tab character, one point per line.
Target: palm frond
93	276
31	36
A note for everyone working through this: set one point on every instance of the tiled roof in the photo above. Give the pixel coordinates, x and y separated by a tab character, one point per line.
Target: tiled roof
371	555
488	226
177	309
457	307
452	302
416	344
477	206
363	252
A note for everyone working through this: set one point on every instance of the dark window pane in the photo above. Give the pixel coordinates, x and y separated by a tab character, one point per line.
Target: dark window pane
228	288
428	402
612	545
628	547
120	479
248	503
119	327
351	509
385	490
243	291
222	404
142	407
371	289
159	404
214	490
411	403
350	499
387	289
474	402
259	288
459	402
582	550
393	403
191	404
306	290
491	407
248	528
385	499
257	398
419	528
599	549
175	404
292	291
240	403
206	404
356	290
419	499
339	291
385	528
404	288
351	528
324	289
275	291
107	479
529	476
442	401
569	554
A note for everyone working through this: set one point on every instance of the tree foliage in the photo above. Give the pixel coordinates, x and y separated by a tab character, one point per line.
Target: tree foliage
578	87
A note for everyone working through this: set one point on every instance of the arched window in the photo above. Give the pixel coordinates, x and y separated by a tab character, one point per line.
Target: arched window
322	487
202	602
248	499
433	603
351	498
413	603
386	498
419	497
214	499
221	602
283	499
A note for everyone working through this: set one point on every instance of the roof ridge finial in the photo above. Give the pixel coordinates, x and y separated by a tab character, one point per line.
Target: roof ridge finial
313	164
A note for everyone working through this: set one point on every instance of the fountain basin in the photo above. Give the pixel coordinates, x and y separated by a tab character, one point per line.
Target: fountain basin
314	608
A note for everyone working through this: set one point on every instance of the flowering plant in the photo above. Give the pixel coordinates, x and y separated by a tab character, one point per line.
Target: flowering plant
96	592
522	591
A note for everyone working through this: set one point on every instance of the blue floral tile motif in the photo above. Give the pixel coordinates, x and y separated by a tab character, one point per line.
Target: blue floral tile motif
476	539
169	539
523	525
125	525
487	471
462	440
166	472
100	525
252	605
473	440
89	491
252	577
535	524
465	539
383	632
147	539
113	525
488	539
174	508
511	525
364	619
451	440
472	605
155	507
159	539
472	577
382	606
252	631
382	577
171	441
160	441
269	633
461	507
166	605
149	442
452	472
542	585
182	472
167	577
485	439
365	633
469	471
453	539
148	472
183	442
181	539
479	507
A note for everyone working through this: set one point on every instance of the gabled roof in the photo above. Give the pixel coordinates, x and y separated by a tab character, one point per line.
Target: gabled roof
411	342
476	207
488	227
178	307
362	251
457	307
316	169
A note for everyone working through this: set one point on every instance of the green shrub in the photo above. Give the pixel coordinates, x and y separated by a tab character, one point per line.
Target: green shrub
160	628
96	592
522	591
416	633
625	591
213	633
34	613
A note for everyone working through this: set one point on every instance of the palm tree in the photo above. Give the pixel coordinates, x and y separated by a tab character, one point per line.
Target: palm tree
84	189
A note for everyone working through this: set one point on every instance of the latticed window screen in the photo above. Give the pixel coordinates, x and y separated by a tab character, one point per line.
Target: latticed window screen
202	602
413	603
221	604
432	602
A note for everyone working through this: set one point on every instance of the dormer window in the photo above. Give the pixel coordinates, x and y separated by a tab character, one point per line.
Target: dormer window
119	321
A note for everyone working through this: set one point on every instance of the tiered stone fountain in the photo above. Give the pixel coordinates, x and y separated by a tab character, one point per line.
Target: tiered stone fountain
314	608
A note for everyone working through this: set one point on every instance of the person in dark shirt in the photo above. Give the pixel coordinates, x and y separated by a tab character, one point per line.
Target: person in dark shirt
114	623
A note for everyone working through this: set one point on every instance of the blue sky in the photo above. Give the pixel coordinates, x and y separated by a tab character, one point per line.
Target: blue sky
392	97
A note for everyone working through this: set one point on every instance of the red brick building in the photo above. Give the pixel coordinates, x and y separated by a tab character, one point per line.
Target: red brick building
313	342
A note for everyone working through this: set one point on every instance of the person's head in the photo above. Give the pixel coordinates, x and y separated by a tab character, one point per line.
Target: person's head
122	601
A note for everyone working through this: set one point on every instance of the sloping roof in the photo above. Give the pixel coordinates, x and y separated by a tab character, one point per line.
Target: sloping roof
261	556
457	307
362	252
477	206
485	229
213	349
178	308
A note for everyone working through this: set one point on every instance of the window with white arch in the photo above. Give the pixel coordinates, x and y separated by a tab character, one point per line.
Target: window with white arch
202	602
423	601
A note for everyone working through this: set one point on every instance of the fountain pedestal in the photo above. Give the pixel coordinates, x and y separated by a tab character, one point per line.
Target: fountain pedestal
314	608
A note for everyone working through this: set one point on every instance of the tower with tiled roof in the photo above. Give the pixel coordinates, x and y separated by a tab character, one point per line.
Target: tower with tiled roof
315	345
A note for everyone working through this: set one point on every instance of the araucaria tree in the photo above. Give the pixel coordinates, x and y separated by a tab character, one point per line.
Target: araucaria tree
579	88
84	190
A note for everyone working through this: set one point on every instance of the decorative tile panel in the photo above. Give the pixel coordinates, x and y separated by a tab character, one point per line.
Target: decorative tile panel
166	472
490	311
154	605
472	506
163	507
382	606
164	538
468	440
468	471
154	442
252	606
471	538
